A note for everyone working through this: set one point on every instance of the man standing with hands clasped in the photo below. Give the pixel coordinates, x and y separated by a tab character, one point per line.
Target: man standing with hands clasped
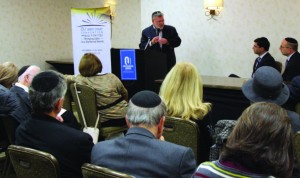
161	37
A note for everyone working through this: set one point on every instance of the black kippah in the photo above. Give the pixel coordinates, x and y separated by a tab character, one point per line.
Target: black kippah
146	99
45	81
22	70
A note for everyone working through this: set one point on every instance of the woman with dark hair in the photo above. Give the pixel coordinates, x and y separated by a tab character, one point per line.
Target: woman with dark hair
260	145
111	94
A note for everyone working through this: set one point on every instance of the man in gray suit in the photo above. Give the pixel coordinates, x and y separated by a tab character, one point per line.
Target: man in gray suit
142	152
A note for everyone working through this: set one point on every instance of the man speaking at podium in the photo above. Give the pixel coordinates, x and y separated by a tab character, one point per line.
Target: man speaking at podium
161	37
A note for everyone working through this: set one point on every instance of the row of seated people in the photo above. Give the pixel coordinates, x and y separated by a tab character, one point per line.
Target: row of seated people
142	153
205	107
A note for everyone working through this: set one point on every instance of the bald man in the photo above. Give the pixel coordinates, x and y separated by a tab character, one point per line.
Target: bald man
25	76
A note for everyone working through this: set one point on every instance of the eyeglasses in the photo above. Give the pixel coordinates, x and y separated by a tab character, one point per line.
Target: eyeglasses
283	47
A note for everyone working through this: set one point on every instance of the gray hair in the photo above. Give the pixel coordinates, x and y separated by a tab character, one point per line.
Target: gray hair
147	116
157	14
45	101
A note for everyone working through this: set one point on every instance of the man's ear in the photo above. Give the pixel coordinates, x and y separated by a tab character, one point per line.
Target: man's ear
160	128
59	104
127	122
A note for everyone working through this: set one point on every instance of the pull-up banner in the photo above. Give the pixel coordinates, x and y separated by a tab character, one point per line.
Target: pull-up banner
91	33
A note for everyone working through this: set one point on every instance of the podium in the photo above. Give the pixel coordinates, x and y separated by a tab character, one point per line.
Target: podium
150	65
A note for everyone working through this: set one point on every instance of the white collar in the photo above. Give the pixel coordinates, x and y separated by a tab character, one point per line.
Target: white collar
22	86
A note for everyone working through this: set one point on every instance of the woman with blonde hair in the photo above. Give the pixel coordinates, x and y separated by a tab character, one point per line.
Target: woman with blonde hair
182	91
8	74
111	94
9	104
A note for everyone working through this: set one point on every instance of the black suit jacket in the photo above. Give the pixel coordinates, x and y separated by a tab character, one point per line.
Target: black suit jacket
267	60
69	146
26	109
24	101
9	104
170	34
292	69
142	155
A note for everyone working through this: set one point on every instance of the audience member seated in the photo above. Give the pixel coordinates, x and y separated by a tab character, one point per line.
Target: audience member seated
142	152
261	48
182	91
289	48
25	76
44	132
260	145
294	99
267	85
111	94
9	104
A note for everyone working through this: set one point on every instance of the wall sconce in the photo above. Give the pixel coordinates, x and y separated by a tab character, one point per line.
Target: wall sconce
112	4
213	8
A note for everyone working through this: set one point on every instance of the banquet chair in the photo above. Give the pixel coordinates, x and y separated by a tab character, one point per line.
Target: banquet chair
87	101
94	171
182	132
29	163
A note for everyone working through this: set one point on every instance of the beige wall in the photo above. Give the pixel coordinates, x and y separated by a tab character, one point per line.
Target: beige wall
33	31
225	46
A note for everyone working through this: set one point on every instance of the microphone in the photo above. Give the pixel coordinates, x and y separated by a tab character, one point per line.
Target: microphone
147	43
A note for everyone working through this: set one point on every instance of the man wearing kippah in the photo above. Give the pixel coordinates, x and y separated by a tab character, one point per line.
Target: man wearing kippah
161	37
44	132
289	48
142	152
25	77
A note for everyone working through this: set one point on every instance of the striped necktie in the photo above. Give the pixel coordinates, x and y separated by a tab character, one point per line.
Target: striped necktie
257	62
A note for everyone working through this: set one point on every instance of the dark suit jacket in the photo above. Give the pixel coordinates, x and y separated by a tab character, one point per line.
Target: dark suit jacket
9	105
267	60
295	118
140	154
293	67
24	101
26	108
70	147
170	34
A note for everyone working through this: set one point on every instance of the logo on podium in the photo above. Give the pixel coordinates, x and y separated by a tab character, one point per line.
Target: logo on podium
128	65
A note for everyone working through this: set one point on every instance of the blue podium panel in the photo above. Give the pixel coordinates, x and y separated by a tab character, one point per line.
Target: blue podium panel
128	65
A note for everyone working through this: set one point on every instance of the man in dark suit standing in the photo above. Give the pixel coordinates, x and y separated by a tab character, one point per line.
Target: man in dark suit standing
45	132
142	152
289	48
161	37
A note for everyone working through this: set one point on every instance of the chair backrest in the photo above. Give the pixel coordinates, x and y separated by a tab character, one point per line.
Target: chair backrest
30	163
94	171
279	66
10	125
87	96
297	145
68	99
297	108
182	132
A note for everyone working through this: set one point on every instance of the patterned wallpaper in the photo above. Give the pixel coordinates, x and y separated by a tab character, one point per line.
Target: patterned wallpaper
33	31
